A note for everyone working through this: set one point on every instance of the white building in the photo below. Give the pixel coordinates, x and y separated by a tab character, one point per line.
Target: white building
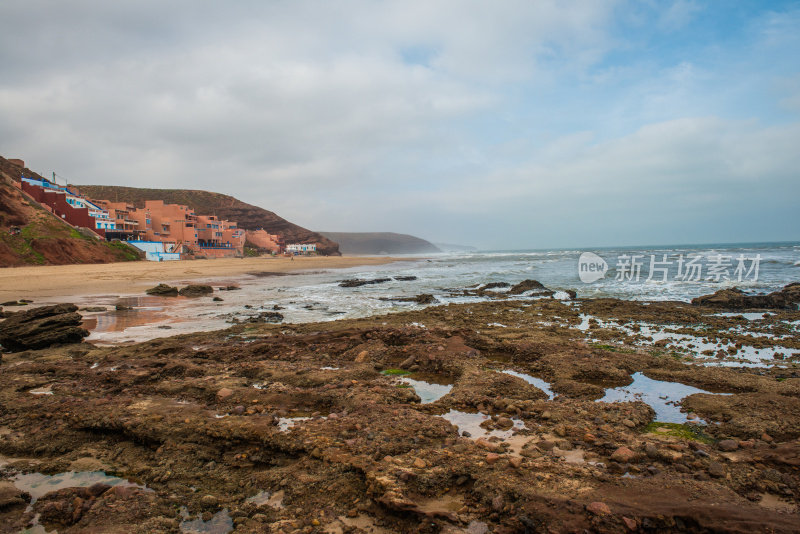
301	248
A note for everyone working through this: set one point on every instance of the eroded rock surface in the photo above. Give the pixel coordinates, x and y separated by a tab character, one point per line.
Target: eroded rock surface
310	428
42	327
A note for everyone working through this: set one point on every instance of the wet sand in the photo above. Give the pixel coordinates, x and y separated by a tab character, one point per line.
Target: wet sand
55	281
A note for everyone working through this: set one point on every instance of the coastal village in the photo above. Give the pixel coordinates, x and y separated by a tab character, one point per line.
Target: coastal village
162	231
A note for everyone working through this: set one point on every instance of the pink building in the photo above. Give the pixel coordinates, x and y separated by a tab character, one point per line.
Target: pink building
264	240
178	227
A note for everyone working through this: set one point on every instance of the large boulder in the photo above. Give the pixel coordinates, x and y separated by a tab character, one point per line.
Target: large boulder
530	285
42	327
735	299
196	290
163	290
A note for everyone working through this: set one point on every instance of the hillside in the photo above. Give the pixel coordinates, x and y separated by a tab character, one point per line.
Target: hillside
45	239
380	243
248	216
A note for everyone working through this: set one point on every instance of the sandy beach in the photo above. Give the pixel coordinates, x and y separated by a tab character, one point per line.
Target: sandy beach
54	281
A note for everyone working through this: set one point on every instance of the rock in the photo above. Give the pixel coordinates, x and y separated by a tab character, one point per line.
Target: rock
546	445
716	469
630	523
224	393
494	285
361	357
10	496
196	290
163	290
515	462
623	455
123	307
358	282
560	430
629	423
209	501
425	298
728	445
598	508
492	457
787	298
405	278
14	303
266	317
42	327
419	463
498	503
651	450
91	309
488	445
408	362
217	299
504	423
572	294
529	285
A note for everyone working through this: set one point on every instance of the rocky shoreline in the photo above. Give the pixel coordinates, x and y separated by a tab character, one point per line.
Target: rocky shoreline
481	417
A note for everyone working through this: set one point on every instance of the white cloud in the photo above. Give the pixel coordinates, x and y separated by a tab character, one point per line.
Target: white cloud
431	117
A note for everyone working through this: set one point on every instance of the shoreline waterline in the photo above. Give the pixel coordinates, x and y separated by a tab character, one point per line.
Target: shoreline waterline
127	278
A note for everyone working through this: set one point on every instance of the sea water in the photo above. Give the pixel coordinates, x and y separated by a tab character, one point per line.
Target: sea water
317	296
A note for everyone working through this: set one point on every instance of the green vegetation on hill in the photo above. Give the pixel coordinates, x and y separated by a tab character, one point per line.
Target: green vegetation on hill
31	235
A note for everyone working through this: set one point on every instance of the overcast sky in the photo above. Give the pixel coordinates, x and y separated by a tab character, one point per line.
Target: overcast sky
500	124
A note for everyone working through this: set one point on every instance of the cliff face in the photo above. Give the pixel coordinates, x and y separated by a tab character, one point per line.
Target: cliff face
248	216
380	243
42	238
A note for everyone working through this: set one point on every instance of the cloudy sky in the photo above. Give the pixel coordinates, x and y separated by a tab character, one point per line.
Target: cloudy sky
500	124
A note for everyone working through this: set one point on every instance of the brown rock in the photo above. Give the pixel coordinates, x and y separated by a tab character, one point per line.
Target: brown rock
728	445
492	458
504	423
497	503
528	285
623	455
488	445
224	393
42	327
196	290
598	508
408	362
716	469
163	290
362	356
419	463
736	299
10	496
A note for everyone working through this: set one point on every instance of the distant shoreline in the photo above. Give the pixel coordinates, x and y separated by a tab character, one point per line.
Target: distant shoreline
58	281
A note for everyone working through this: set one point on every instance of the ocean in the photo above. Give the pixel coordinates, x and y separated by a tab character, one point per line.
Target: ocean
317	296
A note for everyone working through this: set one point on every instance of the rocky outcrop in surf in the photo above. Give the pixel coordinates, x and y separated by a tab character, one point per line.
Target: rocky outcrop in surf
734	298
